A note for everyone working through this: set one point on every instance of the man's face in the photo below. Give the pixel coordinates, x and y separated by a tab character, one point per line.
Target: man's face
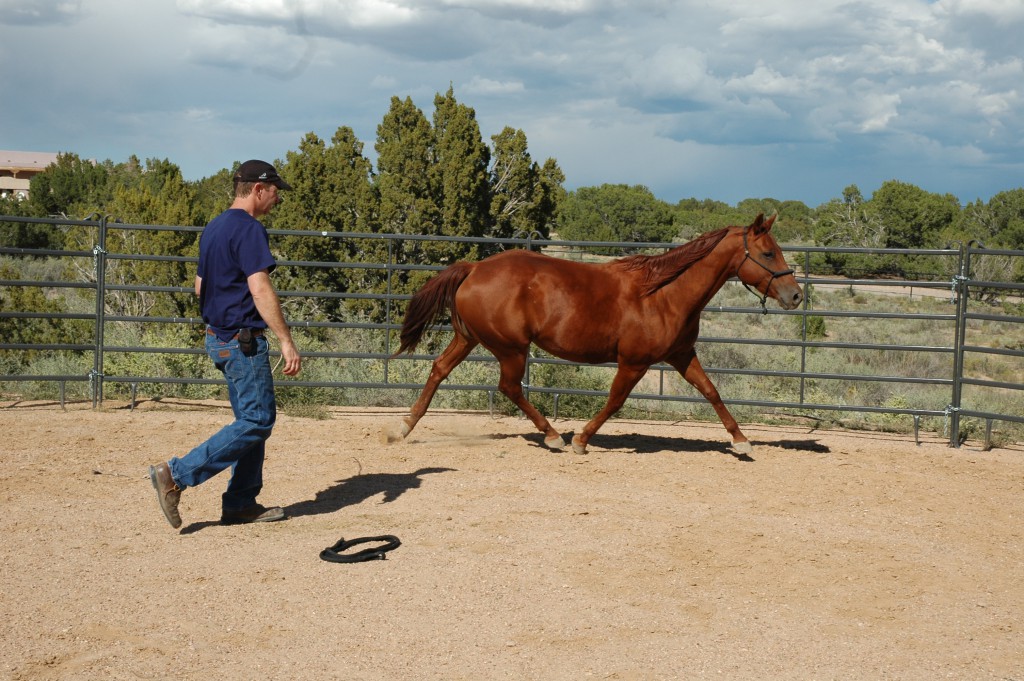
266	197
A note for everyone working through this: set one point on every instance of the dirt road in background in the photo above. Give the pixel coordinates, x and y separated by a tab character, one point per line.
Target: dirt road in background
658	555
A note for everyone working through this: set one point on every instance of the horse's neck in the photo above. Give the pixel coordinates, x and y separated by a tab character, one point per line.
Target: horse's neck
705	278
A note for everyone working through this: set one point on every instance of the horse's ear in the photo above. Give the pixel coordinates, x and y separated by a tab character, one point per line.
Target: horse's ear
762	226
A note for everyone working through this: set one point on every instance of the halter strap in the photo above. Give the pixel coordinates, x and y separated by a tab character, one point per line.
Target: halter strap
746	257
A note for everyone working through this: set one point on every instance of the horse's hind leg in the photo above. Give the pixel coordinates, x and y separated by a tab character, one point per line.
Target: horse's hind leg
689	366
513	366
457	350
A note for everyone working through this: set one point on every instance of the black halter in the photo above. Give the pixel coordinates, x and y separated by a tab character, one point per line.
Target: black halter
746	257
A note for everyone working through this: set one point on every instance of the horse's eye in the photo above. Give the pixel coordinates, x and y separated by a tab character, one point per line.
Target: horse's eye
768	255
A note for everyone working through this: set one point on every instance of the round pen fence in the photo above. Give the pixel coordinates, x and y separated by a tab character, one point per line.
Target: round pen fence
940	336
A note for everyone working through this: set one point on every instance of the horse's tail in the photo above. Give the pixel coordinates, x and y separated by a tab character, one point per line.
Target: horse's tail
430	302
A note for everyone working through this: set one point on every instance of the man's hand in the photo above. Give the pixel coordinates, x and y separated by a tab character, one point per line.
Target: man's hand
292	359
269	307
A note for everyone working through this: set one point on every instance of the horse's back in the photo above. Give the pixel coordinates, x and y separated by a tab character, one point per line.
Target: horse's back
517	297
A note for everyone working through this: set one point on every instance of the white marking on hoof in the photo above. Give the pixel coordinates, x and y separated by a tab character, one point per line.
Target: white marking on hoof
556	443
743	447
577	448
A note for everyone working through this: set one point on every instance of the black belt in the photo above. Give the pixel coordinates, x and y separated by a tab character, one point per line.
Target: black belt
255	332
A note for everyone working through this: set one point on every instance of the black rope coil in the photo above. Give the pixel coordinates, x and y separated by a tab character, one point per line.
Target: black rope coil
333	554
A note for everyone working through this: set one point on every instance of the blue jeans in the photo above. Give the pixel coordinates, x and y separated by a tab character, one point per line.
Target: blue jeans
239	445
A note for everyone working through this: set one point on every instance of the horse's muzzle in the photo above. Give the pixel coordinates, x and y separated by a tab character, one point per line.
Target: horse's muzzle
789	296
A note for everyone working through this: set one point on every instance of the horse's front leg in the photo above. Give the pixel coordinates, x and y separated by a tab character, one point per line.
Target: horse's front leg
625	380
689	366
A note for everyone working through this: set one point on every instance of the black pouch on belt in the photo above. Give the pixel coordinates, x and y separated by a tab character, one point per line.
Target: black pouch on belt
245	342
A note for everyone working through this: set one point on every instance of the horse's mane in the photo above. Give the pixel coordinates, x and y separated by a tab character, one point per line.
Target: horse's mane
658	270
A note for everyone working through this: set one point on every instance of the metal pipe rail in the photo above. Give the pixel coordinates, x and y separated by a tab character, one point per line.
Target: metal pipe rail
954	326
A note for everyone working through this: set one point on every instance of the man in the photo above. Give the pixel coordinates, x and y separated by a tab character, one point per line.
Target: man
238	304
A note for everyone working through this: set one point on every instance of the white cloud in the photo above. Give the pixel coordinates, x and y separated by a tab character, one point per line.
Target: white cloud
997	10
486	86
40	12
666	93
338	13
766	80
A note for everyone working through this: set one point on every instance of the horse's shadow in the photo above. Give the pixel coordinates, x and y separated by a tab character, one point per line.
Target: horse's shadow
359	488
655	444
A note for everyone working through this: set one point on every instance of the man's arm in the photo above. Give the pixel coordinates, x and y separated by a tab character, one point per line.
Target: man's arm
265	297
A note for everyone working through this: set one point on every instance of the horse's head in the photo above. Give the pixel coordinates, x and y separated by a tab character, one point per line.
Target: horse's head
763	268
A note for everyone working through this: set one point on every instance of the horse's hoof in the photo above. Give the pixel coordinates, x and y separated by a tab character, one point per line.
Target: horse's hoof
577	448
393	434
743	447
556	443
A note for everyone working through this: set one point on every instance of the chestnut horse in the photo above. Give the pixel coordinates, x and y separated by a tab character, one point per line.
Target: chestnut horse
634	311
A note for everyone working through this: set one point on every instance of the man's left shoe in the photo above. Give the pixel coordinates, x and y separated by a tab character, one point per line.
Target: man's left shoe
254	514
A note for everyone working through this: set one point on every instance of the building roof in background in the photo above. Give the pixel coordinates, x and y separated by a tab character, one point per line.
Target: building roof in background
26	160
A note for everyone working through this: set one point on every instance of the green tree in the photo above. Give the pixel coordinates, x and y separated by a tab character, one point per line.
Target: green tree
212	195
34	330
459	179
404	151
848	222
26	235
332	191
1007	210
71	186
912	217
155	196
408	204
615	212
693	217
525	196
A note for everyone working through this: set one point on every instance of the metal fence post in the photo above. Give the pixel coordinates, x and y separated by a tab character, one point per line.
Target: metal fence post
960	292
99	253
387	310
803	325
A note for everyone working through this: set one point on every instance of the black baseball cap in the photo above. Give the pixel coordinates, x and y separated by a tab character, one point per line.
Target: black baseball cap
260	171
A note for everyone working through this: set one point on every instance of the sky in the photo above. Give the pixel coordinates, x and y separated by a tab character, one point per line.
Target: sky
720	99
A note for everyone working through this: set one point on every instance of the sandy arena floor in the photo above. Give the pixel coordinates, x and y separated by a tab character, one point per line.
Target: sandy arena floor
658	555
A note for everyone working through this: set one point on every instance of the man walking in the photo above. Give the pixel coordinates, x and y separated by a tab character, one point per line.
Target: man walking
238	304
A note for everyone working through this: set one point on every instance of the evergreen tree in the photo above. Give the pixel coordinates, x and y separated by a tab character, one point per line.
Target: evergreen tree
912	217
1007	210
404	151
71	187
525	196
459	179
332	191
615	212
157	195
212	195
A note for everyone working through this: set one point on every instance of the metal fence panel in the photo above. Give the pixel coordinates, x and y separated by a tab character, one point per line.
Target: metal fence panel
952	337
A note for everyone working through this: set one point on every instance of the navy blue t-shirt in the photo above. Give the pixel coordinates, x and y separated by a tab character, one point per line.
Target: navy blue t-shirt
233	246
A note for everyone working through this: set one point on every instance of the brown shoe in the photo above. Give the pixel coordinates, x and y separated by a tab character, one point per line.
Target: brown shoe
254	514
167	492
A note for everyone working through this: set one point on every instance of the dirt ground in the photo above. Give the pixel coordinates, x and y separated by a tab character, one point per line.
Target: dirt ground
658	555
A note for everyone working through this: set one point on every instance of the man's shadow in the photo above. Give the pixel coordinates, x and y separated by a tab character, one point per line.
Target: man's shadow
359	488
